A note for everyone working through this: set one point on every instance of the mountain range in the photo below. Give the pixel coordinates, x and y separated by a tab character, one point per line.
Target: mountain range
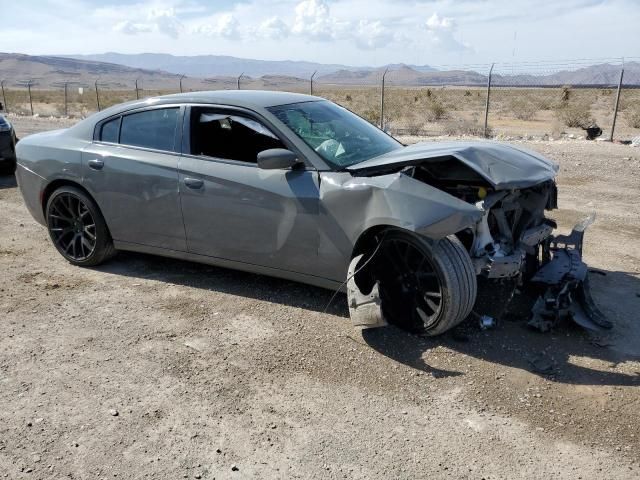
163	71
223	65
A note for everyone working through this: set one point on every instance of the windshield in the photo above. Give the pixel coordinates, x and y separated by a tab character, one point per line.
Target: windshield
340	137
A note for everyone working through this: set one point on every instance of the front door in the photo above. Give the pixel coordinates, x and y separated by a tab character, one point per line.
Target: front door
236	211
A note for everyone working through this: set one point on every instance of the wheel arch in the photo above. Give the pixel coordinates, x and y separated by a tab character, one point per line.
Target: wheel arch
53	186
63	182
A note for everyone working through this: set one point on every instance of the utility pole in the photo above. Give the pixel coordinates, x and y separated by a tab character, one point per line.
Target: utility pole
181	77
137	91
238	80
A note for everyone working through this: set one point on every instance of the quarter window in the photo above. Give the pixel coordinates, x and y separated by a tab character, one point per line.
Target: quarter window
229	136
151	129
110	130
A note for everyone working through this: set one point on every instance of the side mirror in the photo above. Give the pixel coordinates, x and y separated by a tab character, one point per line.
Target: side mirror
277	159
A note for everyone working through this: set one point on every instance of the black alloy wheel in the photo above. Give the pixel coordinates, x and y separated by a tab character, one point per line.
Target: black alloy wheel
77	227
426	286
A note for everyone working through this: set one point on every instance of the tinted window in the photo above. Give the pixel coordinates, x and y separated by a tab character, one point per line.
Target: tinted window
151	129
110	130
229	136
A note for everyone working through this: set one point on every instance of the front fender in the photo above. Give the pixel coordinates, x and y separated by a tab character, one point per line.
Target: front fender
351	205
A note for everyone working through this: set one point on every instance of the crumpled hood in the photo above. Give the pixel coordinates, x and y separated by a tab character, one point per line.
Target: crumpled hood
504	166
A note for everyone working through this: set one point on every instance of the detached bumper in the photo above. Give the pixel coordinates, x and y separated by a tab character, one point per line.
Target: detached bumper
564	277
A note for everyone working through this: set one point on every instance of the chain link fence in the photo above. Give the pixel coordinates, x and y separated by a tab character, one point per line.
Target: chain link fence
535	99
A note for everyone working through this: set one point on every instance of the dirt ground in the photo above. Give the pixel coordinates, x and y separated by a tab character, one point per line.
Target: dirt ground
154	368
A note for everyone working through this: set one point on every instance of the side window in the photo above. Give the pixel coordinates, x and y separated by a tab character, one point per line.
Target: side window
110	130
151	129
229	136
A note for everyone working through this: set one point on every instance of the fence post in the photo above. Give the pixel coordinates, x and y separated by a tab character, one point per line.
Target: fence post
615	109
311	82
97	96
238	80
137	91
181	82
66	111
30	100
4	99
486	108
382	100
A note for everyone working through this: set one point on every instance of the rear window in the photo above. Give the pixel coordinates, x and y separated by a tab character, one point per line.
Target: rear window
110	131
151	129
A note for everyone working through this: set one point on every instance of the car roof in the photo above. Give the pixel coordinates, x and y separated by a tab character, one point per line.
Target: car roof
240	98
250	99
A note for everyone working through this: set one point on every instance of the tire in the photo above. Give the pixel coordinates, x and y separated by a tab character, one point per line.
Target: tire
437	274
77	228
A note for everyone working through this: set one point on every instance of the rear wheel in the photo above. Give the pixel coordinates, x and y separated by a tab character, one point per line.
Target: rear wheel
77	227
425	287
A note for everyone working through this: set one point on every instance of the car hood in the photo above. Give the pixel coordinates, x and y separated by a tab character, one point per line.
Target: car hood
504	166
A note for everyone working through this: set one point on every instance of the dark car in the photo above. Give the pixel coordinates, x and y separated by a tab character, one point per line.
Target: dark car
7	147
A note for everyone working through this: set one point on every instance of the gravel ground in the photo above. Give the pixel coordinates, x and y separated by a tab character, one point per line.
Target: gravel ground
154	368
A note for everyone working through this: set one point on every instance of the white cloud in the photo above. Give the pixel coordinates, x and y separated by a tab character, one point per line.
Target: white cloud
224	25
166	21
313	20
131	28
372	34
273	28
163	21
438	23
441	31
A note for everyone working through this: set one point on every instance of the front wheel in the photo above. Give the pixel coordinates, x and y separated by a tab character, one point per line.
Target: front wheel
77	228
426	287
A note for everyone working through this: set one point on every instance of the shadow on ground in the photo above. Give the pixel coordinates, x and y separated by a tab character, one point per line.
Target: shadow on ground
227	281
511	343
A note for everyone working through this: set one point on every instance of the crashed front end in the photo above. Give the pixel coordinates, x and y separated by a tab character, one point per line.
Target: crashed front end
512	246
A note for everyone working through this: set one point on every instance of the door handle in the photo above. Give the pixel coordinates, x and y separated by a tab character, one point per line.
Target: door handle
95	164
193	182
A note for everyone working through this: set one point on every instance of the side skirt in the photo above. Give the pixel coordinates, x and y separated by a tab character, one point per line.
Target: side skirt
230	264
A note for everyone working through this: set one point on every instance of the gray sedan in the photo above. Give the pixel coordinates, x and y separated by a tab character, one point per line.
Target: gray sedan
297	187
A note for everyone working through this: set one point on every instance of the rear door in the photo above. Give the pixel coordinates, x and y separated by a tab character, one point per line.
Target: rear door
132	171
234	210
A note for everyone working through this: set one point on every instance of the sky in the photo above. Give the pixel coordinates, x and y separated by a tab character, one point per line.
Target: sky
352	32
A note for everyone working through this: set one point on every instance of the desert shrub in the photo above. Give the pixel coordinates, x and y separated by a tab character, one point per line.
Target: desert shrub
566	94
545	103
574	114
465	127
347	98
435	111
523	109
372	115
633	116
